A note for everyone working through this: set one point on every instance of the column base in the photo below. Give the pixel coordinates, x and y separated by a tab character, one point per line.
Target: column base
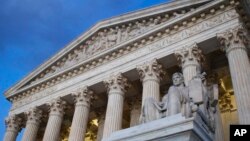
172	128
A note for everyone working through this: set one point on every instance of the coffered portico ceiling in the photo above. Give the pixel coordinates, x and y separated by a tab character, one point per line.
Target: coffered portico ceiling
115	37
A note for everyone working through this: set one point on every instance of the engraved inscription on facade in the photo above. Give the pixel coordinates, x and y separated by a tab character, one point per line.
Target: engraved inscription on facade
195	29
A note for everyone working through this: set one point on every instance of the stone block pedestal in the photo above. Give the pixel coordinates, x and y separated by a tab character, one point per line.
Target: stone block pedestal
172	128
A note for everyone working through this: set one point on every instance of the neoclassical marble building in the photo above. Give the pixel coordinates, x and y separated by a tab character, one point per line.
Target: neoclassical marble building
98	83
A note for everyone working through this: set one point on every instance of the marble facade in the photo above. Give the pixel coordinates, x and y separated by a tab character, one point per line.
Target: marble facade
96	86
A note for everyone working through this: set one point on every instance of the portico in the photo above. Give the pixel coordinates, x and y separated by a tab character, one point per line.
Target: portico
90	84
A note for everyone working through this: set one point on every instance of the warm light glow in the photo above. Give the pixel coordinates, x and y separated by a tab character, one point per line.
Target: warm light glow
95	122
223	85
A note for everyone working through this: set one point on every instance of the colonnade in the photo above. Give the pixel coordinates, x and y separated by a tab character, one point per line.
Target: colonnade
191	61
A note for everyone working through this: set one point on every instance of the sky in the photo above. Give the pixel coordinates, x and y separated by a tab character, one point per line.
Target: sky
32	31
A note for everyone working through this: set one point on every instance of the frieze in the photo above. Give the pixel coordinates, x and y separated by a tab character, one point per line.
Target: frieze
163	41
30	98
195	29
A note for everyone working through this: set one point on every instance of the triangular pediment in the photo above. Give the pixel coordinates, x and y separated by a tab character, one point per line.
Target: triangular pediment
104	36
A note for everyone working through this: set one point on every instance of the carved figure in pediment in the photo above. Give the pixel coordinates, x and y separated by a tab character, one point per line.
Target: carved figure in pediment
69	61
157	20
111	37
151	23
132	31
100	42
90	48
81	54
123	34
140	26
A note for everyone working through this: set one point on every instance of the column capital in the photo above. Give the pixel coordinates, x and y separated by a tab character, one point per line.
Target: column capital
57	106
151	70
13	123
234	38
117	82
34	115
83	96
190	55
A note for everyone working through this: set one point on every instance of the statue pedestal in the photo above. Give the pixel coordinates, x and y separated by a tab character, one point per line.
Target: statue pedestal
172	128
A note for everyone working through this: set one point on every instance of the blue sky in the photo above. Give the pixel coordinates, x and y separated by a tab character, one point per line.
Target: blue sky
31	31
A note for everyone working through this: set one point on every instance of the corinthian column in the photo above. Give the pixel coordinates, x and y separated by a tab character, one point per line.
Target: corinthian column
32	125
234	42
190	59
13	126
100	126
82	104
150	74
116	86
135	111
52	131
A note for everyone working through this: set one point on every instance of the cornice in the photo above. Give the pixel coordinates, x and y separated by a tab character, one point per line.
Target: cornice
106	23
126	47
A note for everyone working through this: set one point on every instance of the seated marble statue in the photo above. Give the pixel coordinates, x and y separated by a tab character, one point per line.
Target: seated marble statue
176	100
197	97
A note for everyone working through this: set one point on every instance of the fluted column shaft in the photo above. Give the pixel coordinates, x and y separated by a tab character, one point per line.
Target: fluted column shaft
151	88
189	71
190	59
135	114
150	74
53	127
234	42
79	124
32	125
10	136
113	120
116	85
100	127
13	125
239	69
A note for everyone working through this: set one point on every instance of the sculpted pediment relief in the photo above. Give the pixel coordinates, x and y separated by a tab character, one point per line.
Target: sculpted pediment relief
108	36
